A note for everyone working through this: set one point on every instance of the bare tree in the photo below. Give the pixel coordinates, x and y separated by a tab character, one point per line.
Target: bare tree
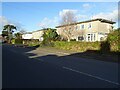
22	31
67	21
78	33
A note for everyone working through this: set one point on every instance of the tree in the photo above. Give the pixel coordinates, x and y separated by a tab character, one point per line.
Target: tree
18	35
49	36
4	33
9	29
68	20
22	31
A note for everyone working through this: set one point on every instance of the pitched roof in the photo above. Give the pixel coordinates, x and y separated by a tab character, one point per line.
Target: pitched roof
42	29
98	19
28	33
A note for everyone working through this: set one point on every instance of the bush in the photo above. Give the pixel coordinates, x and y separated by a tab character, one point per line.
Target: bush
32	42
114	40
77	46
17	41
105	47
49	36
13	41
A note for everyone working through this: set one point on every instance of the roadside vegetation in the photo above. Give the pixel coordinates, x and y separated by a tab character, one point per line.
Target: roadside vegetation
52	39
8	32
50	36
114	40
77	46
110	45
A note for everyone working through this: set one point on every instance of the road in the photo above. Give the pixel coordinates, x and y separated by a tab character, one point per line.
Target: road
32	68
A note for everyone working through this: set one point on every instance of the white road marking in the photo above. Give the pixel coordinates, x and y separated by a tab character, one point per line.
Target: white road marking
90	75
74	70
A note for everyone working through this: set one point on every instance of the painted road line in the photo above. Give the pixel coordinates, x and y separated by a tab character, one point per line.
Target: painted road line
91	75
74	70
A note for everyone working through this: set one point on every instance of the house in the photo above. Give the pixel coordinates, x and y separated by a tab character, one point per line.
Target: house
27	36
90	30
38	35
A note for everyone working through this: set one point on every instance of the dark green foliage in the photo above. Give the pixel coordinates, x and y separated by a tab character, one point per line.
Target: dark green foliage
77	46
9	28
32	42
4	33
17	41
113	36
105	47
114	40
49	36
18	35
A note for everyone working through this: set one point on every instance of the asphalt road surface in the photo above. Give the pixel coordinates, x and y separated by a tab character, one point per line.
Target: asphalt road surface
31	68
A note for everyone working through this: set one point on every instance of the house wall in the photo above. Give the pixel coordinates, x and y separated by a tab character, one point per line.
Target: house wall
104	27
27	36
97	30
37	35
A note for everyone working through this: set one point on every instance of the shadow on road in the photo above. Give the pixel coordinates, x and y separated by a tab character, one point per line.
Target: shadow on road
28	72
104	54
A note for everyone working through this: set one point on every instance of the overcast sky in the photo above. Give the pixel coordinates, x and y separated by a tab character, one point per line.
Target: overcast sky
33	16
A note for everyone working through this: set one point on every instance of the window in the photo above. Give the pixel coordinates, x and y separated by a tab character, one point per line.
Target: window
94	37
80	38
82	26
88	37
91	36
89	26
76	27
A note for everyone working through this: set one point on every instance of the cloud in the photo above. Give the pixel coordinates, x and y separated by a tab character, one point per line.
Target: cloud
110	16
78	16
3	21
46	22
86	5
63	12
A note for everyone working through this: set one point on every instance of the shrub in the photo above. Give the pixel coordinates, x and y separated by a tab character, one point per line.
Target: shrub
77	46
32	42
13	41
114	40
16	41
49	36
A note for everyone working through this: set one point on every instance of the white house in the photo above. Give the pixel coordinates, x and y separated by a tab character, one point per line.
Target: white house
90	30
38	35
27	36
